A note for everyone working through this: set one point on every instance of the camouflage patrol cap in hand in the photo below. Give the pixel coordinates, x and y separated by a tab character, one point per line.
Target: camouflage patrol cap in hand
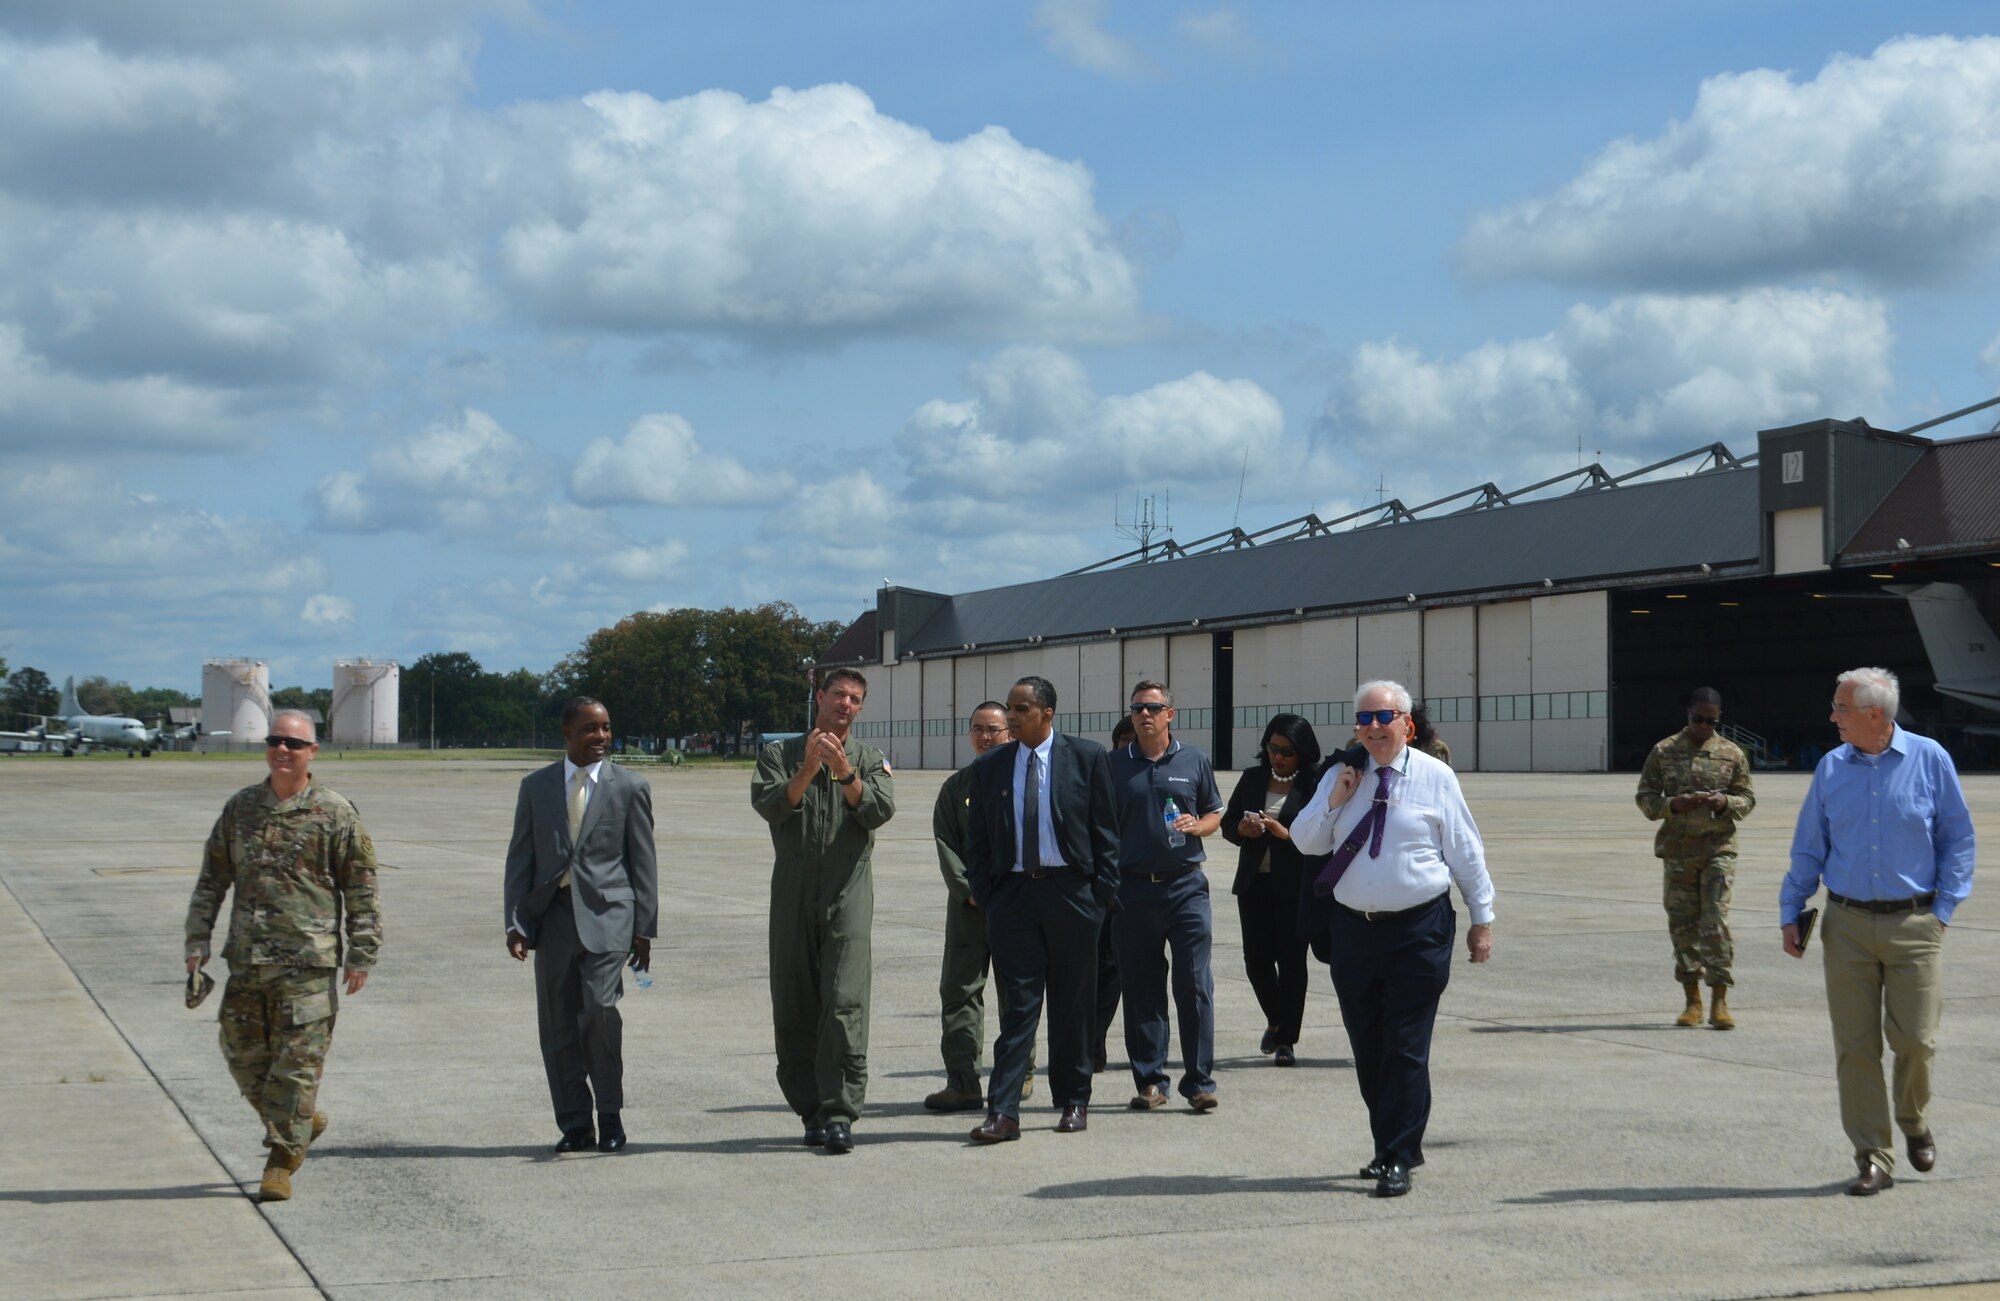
200	983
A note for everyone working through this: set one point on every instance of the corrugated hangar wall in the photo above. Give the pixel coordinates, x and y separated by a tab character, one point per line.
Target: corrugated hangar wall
1513	686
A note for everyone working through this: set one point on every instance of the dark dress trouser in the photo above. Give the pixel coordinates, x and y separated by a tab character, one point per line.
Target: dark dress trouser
576	1005
1389	974
1044	936
1274	956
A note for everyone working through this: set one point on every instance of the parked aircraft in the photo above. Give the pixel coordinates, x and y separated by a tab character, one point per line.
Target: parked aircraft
71	729
1963	650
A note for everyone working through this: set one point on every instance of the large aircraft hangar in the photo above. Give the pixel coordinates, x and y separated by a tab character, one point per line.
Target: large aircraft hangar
1557	628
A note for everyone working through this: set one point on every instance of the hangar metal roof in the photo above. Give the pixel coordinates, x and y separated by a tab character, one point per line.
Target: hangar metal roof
1948	501
1584	539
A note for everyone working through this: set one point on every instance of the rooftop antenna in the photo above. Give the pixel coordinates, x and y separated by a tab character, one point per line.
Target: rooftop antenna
1144	522
1381	489
1237	519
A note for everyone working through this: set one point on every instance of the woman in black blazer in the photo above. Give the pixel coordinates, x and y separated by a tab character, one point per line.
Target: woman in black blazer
1269	795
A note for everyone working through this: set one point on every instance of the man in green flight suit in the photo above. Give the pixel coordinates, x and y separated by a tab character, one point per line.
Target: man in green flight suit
297	857
962	982
1697	786
824	795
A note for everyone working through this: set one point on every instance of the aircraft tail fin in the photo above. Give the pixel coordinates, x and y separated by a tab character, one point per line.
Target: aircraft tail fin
69	708
1960	643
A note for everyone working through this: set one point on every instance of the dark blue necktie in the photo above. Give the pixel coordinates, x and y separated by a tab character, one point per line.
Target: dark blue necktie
1031	817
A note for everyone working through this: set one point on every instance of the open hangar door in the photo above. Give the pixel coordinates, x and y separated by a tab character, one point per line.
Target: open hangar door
1773	646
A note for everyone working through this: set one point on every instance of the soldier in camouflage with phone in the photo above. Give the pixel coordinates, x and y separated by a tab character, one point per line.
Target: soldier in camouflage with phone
299	862
1696	784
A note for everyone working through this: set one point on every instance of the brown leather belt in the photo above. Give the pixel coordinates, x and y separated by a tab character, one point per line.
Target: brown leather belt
1885	905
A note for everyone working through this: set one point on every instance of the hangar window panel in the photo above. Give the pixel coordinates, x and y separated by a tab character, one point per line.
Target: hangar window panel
1489	710
1524	707
1558	704
1600	704
1579	704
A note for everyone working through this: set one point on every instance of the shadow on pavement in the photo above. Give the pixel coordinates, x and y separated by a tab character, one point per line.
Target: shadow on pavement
1690	1193
57	1196
1200	1186
1640	1027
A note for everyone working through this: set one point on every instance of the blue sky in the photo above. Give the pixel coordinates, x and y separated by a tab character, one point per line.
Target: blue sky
368	328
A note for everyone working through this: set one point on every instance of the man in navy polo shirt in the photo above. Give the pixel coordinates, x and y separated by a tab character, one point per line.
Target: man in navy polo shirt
1163	898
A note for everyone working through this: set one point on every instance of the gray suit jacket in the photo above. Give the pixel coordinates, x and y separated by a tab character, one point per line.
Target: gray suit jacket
614	883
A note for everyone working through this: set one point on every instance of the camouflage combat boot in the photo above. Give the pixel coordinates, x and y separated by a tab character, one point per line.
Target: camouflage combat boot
277	1185
1691	1014
1718	1011
319	1127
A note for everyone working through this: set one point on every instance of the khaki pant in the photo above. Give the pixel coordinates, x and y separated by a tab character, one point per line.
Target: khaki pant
1882	977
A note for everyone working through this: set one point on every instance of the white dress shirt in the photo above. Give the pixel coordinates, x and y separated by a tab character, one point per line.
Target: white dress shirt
1051	848
589	781
1428	840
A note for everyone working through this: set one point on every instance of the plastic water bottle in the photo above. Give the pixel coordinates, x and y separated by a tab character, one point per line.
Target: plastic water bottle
642	978
1175	837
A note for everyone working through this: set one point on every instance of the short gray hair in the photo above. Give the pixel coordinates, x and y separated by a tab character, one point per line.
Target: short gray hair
1148	684
302	716
1873	687
1397	691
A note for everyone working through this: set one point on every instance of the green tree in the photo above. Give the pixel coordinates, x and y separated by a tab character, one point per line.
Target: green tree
152	703
100	695
29	691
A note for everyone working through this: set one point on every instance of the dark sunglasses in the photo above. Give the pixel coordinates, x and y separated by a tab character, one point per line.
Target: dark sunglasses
1149	707
1281	751
289	742
1382	716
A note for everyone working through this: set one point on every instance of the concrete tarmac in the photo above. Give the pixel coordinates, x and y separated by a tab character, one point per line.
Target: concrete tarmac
1581	1145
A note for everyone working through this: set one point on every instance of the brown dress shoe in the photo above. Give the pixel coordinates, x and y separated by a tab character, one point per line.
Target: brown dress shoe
1149	1097
1075	1119
997	1129
1872	1181
1923	1151
1203	1102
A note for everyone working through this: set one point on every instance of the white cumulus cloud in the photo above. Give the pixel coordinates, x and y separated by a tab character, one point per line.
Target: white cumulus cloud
1639	378
1887	165
1074	30
323	610
660	462
1036	429
467	477
809	214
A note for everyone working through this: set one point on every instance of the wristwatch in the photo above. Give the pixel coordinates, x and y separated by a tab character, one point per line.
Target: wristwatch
853	776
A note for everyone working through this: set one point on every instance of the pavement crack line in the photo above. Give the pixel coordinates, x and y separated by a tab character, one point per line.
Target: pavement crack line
291	1248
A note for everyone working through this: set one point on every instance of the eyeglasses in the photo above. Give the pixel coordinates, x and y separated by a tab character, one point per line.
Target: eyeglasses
1149	707
989	731
1383	716
289	742
1277	751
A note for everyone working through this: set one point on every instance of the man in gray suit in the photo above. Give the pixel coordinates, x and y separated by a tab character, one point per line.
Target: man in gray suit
582	891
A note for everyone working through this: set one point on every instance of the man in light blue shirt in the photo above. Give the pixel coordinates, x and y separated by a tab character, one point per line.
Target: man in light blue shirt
1885	826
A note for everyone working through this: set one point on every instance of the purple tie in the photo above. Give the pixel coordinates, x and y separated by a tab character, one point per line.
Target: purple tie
1380	812
1368	829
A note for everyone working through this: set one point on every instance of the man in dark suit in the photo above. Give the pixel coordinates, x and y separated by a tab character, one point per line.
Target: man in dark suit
1042	863
581	890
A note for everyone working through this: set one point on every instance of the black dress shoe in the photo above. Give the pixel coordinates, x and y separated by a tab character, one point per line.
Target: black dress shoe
839	1138
997	1129
1873	1180
1269	1043
576	1140
1075	1119
1923	1151
815	1136
1394	1180
1286	1057
610	1133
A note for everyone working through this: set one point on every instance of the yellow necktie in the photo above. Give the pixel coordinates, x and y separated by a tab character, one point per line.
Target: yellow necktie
578	799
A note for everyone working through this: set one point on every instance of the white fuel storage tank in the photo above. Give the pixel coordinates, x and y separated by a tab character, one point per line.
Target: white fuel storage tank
365	702
236	698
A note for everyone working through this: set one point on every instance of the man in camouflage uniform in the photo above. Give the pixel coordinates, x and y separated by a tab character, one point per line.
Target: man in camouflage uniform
297	857
1697	786
824	795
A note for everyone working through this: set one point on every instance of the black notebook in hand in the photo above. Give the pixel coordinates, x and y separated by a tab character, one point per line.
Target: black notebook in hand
1806	921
